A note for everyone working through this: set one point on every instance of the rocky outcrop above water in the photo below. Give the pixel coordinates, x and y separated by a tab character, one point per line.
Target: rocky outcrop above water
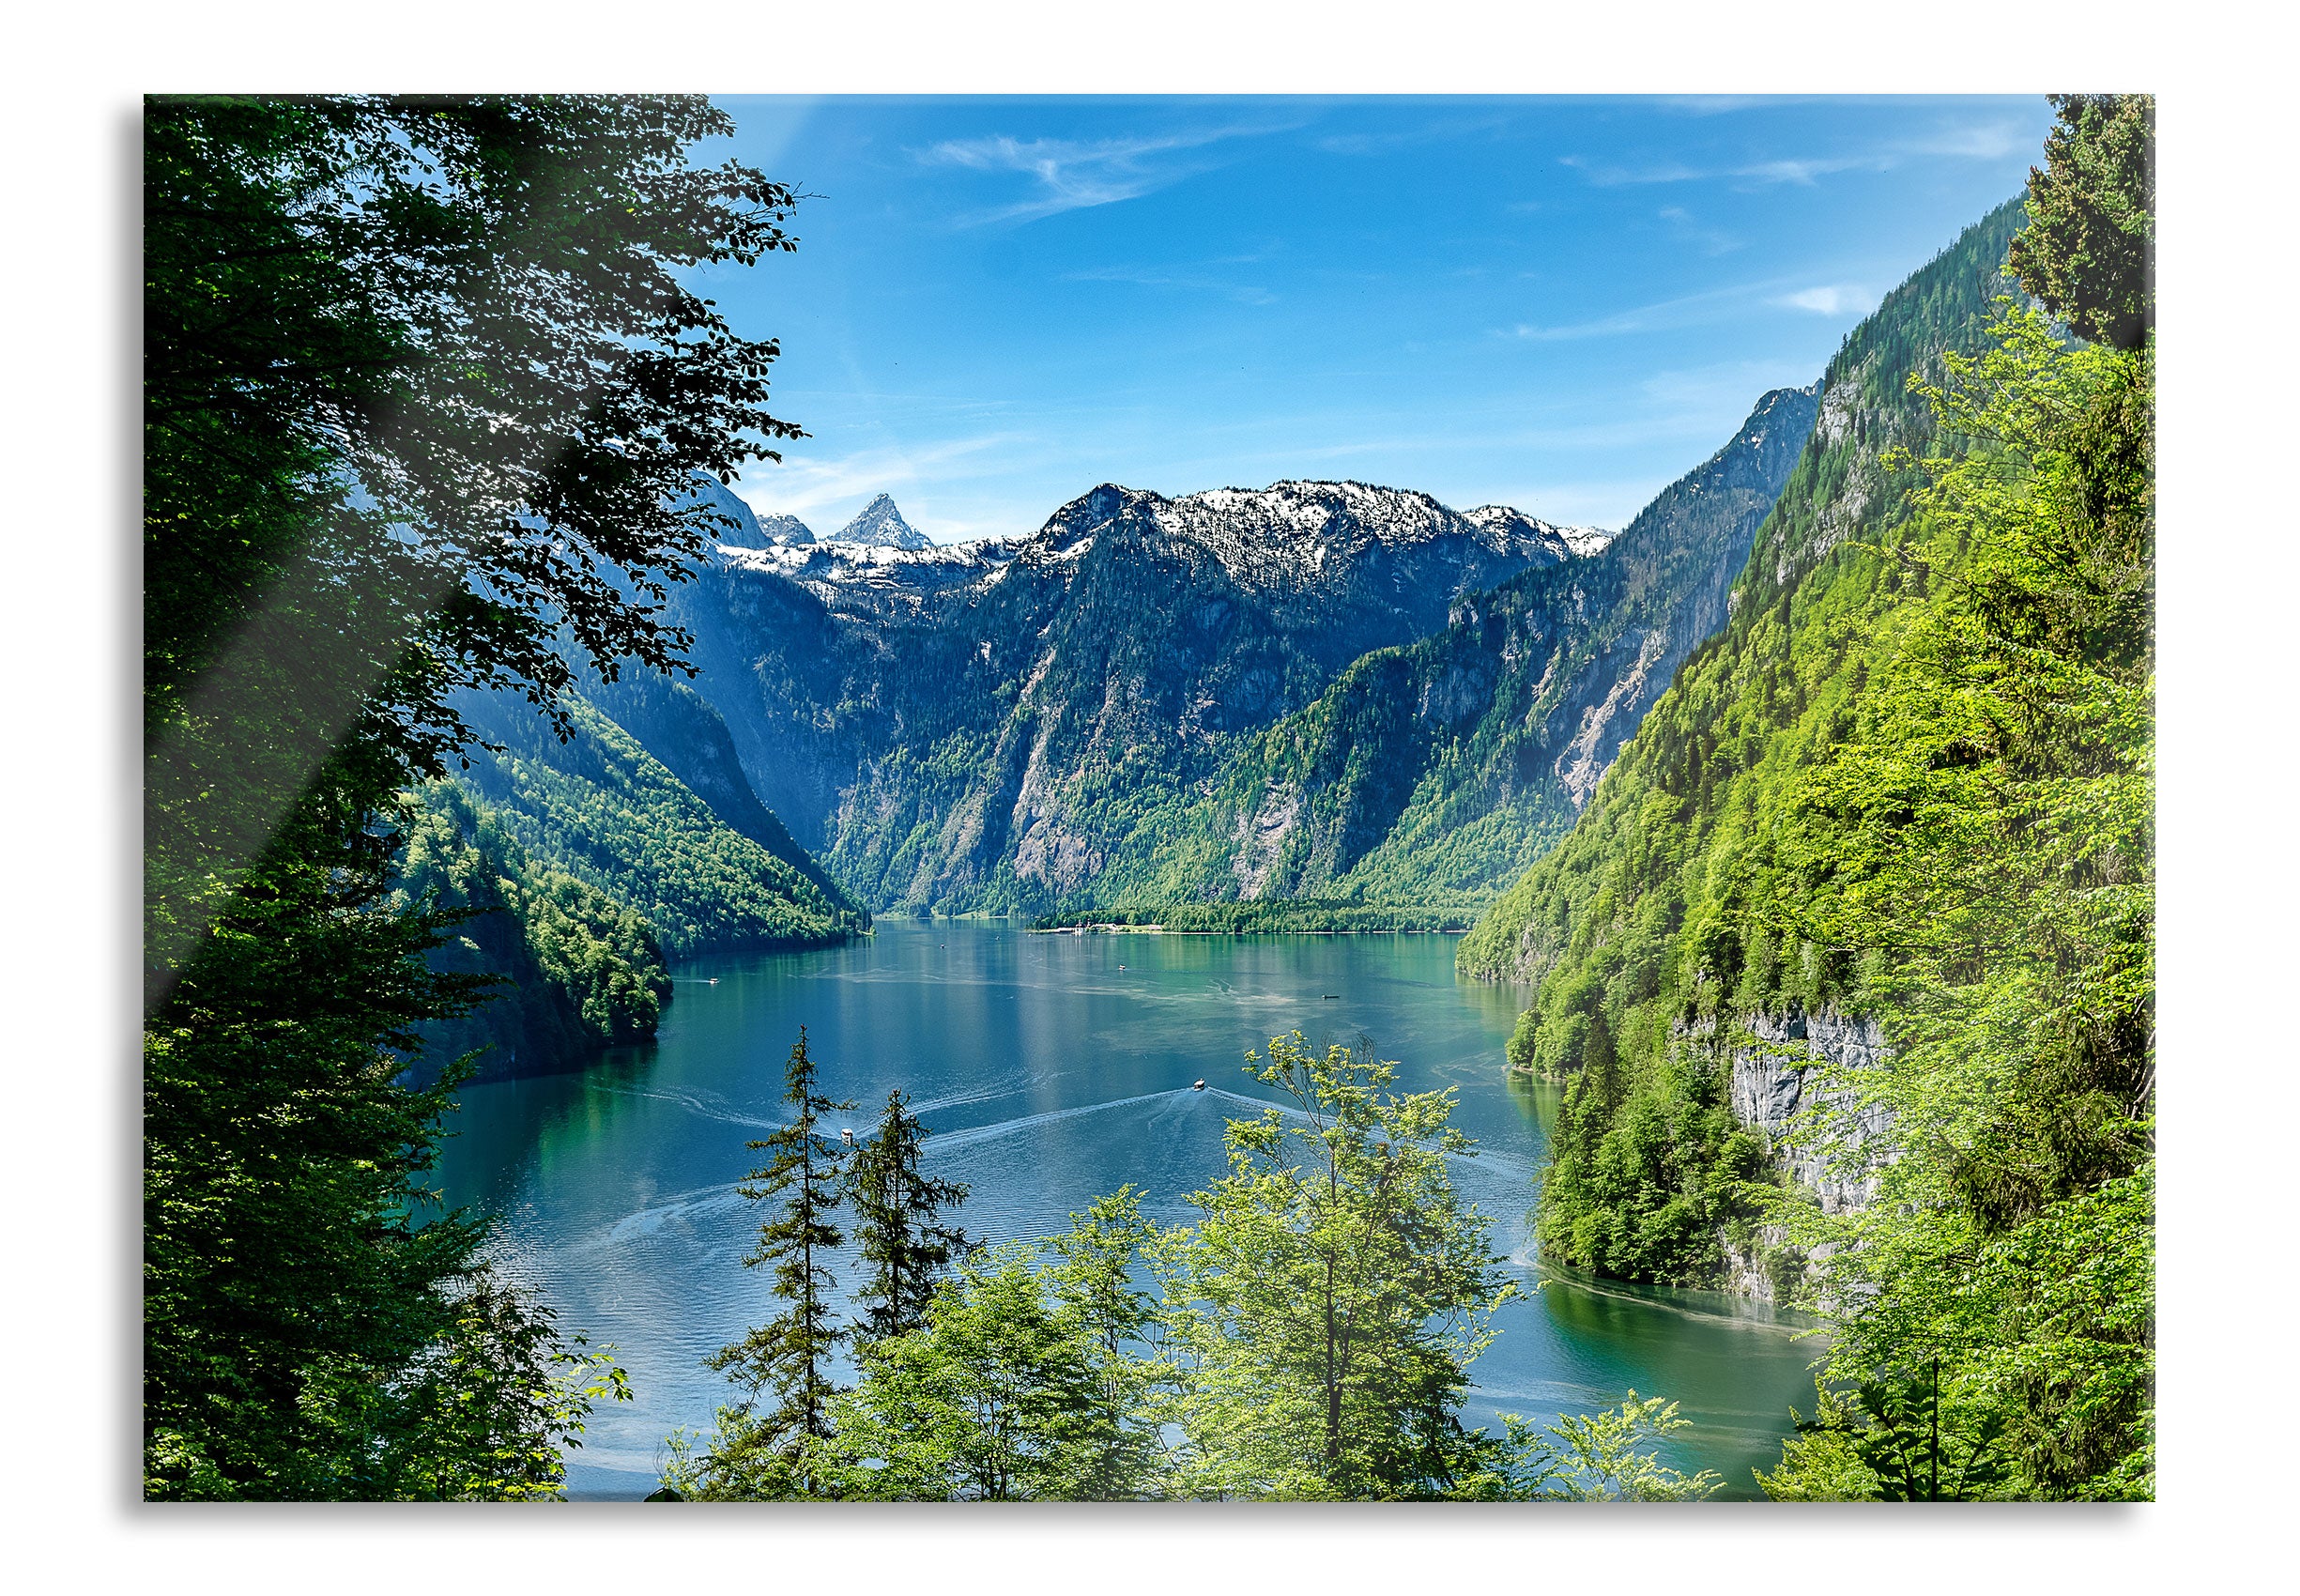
1782	1090
1786	1086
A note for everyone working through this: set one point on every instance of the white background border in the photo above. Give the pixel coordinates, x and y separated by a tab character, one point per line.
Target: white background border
71	842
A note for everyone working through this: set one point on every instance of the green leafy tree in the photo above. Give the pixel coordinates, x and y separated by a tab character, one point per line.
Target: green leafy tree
419	377
774	1452
1116	1446
1992	824
897	1206
982	1401
2089	248
1030	1376
1323	1309
491	1407
1597	1457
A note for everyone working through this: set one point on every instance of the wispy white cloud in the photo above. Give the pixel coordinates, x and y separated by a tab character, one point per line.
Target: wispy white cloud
1975	140
1801	171
1723	104
1695	310
1687	310
1150	277
1829	298
1074	176
1718	396
1708	241
1406	138
804	484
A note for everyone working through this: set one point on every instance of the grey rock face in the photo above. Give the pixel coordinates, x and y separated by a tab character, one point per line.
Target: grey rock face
1817	1125
1825	1138
786	532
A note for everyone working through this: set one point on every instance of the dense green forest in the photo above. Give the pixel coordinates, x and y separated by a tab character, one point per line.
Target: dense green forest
598	807
1911	782
343	299
577	970
1307	1338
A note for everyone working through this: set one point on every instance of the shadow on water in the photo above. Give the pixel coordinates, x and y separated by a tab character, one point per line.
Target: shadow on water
1051	1069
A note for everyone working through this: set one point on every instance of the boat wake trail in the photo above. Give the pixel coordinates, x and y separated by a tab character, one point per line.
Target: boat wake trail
697	1106
945	1141
687	1205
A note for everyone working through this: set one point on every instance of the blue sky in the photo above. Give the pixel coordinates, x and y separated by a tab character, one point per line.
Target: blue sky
1561	304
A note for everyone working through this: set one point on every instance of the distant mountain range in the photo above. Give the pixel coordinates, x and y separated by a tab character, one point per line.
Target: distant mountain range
1033	724
736	525
1325	689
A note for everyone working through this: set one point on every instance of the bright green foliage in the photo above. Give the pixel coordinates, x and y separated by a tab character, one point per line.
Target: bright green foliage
1903	1445
491	1405
1025	1378
602	810
897	1220
1992	824
1026	1381
773	1453
1308	1339
578	970
979	1404
1118	1449
2090	251
1595	1457
1324	1309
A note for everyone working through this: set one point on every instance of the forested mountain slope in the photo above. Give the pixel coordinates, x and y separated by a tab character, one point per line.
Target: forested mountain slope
1435	773
577	971
984	728
1872	888
1768	692
1636	927
706	871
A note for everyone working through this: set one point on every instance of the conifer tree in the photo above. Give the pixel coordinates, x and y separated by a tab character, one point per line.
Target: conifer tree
2089	248
897	1210
769	1453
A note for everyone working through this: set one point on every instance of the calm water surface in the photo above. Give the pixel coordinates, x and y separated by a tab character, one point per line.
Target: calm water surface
1051	1069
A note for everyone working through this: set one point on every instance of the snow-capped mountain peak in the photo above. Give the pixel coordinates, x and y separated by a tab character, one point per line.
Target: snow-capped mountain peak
880	525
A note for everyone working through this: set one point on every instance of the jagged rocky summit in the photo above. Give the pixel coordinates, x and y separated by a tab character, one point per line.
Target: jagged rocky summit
785	531
880	525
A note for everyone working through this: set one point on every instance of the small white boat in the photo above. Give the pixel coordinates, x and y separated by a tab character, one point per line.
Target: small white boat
1198	1084
715	980
848	1136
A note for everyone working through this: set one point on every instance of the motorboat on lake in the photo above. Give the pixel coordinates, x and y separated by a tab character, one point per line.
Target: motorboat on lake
1198	1084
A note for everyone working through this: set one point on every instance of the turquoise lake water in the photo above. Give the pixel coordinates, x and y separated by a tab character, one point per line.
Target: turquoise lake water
1051	1069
